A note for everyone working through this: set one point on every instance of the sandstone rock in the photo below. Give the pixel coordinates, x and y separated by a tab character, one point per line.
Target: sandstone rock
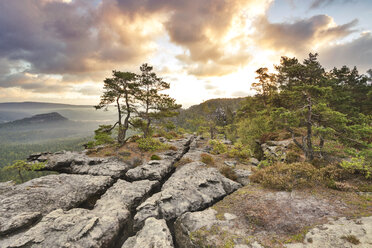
109	221
230	163
155	234
74	228
195	151
25	203
158	169
6	186
79	163
124	194
152	170
191	188
188	229
276	149
242	176
252	214
339	233
254	161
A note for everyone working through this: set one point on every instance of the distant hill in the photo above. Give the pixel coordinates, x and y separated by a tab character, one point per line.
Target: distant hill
38	119
11	111
38	105
229	105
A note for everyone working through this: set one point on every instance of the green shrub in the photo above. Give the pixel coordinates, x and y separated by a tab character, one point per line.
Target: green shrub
229	173
358	165
207	159
218	147
150	144
283	176
155	157
240	152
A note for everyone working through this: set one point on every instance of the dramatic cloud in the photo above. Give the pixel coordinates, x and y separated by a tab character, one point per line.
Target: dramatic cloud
357	52
318	3
65	48
61	37
303	35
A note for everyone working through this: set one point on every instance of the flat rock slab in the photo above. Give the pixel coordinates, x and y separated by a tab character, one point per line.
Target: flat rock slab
339	233
155	234
124	194
79	163
188	225
152	170
22	205
158	169
77	227
192	187
100	227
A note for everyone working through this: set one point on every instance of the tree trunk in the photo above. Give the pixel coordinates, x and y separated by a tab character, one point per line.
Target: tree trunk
126	120
20	176
309	146
121	135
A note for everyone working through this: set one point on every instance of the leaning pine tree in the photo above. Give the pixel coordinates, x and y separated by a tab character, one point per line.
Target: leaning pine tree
152	105
121	89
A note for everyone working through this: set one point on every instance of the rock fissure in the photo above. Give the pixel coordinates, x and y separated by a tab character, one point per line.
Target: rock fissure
123	213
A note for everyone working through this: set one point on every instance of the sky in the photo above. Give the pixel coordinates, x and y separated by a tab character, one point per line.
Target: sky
62	50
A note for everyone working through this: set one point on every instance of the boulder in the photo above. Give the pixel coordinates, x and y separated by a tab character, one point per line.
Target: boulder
242	176
26	203
155	234
80	163
193	187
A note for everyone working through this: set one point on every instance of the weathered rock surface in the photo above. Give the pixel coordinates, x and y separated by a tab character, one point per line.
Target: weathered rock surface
155	234
124	194
188	225
78	227
158	169
6	186
276	149
80	163
193	187
252	217
152	170
339	233
24	204
243	176
195	151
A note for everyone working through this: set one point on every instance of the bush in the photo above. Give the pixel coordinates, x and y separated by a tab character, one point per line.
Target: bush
218	147
155	157
150	144
229	173
102	136
358	165
283	176
207	159
240	152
